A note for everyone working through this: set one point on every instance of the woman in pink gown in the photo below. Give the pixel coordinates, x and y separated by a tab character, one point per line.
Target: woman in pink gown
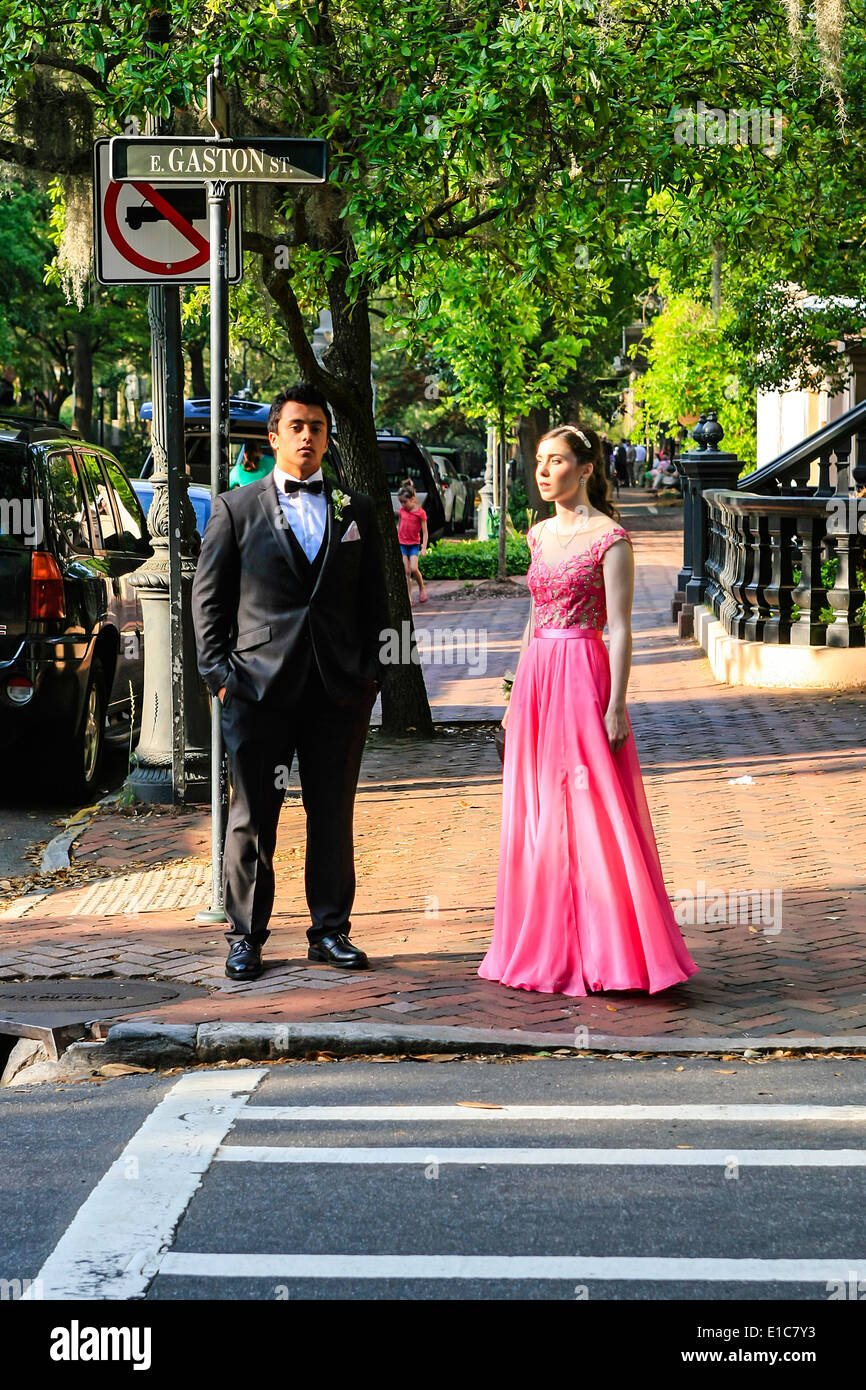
581	904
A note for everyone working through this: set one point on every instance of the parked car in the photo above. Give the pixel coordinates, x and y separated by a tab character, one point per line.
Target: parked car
401	456
199	496
471	468
464	484
72	534
462	516
247	420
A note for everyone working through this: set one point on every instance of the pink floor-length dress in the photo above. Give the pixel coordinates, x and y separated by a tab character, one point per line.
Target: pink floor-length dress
581	904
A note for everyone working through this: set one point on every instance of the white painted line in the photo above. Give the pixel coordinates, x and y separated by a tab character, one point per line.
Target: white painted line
624	1268
354	1114
111	1248
620	1158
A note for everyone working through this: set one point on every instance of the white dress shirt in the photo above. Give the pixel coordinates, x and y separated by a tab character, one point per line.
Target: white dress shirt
306	513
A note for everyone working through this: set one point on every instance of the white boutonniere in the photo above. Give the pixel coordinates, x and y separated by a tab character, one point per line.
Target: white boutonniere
339	500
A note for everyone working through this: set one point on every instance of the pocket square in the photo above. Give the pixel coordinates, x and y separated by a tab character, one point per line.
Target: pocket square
353	534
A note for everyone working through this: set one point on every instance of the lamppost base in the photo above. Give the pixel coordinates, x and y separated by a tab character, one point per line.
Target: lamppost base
151	783
214	915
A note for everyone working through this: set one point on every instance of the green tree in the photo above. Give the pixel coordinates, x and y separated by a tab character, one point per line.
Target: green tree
693	367
57	347
504	348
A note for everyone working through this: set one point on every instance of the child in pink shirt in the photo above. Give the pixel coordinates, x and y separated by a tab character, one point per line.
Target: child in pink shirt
412	536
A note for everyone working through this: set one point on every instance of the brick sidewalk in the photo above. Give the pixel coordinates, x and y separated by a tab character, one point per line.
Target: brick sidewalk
427	834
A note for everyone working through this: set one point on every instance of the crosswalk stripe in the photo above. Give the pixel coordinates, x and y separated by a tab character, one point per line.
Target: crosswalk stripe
846	1114
110	1247
622	1268
625	1158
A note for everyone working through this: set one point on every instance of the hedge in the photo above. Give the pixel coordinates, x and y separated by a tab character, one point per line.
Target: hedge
474	559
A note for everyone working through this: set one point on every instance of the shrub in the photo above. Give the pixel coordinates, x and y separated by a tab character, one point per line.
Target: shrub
474	559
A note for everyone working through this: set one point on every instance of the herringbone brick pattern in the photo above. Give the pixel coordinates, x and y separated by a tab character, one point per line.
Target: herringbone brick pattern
427	839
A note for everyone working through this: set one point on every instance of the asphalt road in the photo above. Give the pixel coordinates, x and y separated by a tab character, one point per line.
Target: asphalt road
226	1190
28	819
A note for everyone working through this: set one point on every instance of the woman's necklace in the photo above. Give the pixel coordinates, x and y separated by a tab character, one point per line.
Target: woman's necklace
575	532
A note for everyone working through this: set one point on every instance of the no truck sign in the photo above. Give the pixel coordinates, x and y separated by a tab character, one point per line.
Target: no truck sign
146	234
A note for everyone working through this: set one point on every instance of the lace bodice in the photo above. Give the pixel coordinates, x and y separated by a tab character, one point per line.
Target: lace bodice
571	593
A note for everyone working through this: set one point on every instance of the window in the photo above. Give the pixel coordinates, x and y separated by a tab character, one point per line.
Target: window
402	462
105	529
68	500
132	523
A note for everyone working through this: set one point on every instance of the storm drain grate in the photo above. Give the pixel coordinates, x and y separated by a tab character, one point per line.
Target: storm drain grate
45	1008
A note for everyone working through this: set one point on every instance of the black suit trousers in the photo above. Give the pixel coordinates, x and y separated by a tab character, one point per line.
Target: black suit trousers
261	743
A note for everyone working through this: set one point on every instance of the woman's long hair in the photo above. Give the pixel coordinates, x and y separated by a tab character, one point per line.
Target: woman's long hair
585	444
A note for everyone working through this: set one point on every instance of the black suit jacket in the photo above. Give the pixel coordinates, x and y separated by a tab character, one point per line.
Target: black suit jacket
263	613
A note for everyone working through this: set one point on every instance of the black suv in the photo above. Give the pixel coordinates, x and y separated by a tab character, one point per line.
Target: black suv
72	532
404	458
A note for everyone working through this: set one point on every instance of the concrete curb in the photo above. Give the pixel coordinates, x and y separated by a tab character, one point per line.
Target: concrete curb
155	1046
56	852
170	1044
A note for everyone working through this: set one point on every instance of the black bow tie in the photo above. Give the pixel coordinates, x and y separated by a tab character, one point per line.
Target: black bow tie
292	485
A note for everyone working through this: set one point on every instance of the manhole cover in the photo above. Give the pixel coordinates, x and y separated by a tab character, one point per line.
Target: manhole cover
55	1002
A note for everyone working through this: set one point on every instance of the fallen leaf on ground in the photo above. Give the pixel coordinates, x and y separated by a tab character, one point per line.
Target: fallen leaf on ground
479	1105
611	1008
679	1068
433	1056
726	1071
121	1069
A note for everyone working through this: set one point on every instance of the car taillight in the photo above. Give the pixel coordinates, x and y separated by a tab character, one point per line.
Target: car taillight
19	690
46	587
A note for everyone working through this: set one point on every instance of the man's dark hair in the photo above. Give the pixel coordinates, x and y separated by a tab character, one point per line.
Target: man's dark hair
305	394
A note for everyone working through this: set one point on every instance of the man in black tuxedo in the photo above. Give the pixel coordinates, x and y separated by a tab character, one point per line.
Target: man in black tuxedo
289	602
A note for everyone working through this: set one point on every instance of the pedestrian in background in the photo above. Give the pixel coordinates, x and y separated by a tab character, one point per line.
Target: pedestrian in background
640	464
630	459
251	465
412	536
620	463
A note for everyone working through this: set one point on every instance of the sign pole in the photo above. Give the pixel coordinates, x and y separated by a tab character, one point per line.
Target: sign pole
176	452
218	196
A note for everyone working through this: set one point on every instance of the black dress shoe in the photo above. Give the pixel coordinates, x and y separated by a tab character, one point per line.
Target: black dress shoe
337	949
244	960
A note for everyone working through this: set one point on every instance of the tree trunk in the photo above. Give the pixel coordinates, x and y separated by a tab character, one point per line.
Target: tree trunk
718	254
344	377
82	372
198	385
52	400
530	428
502	569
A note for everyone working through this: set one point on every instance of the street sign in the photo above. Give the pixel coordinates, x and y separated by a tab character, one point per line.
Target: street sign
170	159
147	235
